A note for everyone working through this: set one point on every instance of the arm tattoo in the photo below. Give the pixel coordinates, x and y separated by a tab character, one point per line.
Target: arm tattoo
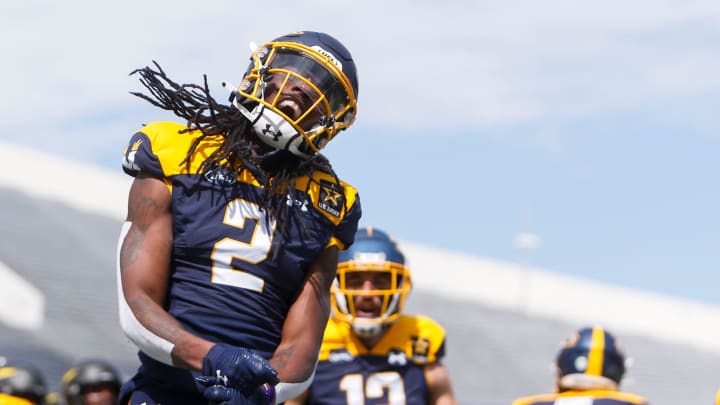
282	357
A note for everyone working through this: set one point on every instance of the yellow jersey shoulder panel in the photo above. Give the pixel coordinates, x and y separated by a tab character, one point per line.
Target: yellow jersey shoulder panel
339	335
420	337
171	146
330	196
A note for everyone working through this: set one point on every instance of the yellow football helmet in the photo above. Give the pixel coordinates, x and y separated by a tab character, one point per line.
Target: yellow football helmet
312	64
372	283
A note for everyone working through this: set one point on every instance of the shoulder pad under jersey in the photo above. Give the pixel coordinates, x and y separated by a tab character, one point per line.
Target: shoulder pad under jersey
338	201
159	149
422	338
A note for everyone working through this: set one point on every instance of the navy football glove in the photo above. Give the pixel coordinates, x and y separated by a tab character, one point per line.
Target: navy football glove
263	395
219	394
242	368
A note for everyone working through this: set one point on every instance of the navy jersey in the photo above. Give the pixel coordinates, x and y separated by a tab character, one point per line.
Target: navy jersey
231	281
392	372
590	397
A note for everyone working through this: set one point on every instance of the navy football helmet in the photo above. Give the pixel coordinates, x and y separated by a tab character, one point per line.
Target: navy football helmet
590	359
318	68
88	375
23	381
375	256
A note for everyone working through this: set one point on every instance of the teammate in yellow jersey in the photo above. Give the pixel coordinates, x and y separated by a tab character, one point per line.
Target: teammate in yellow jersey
373	353
590	367
234	225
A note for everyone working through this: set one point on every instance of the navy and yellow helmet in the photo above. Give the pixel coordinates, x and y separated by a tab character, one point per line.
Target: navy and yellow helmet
319	64
88	374
372	251
590	359
23	381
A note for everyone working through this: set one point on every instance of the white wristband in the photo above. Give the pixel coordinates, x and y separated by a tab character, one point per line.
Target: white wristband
287	391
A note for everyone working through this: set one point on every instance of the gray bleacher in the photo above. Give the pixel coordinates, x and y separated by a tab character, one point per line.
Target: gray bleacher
493	356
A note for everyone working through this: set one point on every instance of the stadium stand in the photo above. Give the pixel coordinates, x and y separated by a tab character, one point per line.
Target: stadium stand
503	322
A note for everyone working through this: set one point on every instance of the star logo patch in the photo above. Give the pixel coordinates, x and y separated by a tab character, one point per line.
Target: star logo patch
332	199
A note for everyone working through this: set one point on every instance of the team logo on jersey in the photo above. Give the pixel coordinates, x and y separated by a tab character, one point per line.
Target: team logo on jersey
397	357
222	176
129	156
340	356
420	349
331	198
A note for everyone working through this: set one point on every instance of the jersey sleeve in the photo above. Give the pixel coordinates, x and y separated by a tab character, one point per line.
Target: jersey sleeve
422	338
139	157
338	202
159	149
429	345
345	232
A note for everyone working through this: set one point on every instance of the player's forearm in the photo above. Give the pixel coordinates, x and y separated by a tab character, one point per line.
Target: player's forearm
297	354
296	370
295	363
295	357
162	337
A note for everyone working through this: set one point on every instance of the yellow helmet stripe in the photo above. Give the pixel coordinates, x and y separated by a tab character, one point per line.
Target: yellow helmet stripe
596	352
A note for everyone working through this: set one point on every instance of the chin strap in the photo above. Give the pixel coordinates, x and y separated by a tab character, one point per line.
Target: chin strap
364	328
274	130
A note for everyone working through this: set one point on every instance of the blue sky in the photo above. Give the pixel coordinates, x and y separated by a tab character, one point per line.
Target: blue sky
593	125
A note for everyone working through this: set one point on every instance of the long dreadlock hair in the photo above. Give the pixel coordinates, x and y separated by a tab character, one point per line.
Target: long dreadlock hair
276	171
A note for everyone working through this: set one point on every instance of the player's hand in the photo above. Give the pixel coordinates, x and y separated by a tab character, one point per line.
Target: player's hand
240	368
218	393
263	395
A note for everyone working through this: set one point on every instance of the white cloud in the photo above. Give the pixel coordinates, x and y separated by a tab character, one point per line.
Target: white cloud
428	64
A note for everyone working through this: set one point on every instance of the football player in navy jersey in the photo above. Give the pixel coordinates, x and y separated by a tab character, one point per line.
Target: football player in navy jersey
234	225
590	367
372	353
